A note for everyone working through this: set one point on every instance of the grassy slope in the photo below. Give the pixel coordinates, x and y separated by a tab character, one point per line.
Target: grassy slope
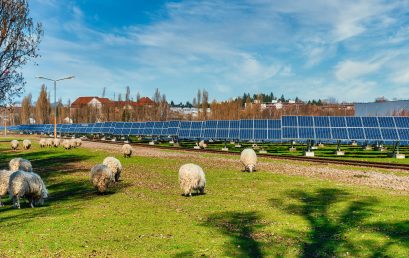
242	214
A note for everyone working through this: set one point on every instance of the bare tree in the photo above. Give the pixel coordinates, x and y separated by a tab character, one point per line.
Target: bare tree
26	108
205	99
19	40
43	107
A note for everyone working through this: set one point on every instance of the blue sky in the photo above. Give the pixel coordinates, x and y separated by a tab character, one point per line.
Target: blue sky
348	50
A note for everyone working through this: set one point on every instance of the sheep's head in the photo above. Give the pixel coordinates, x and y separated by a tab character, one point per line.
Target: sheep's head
251	167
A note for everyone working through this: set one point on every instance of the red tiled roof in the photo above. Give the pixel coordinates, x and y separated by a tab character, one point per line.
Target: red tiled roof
85	100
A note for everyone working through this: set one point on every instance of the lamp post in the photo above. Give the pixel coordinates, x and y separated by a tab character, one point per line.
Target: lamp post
55	98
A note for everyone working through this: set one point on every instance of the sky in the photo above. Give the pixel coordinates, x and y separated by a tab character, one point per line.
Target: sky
352	51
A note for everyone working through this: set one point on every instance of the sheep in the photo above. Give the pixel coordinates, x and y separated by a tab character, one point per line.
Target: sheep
202	144
4	183
56	142
49	142
17	164
127	150
248	158
28	185
191	178
66	144
115	166
42	143
14	144
78	142
26	144
101	177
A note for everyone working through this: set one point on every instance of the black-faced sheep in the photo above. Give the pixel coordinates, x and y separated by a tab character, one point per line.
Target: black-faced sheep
4	183
20	164
26	144
115	166
191	179
248	158
14	144
49	142
28	185
127	150
101	177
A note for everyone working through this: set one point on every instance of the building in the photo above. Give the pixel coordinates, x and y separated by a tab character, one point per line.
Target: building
100	102
382	108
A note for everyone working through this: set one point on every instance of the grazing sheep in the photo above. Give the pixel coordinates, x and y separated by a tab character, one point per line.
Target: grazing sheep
4	183
42	143
248	158
49	142
56	142
127	150
101	177
66	144
78	142
14	144
17	164
28	185
115	166
202	144
191	178
26	144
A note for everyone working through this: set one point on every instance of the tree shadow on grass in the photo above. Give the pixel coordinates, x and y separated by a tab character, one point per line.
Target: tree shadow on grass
328	233
240	227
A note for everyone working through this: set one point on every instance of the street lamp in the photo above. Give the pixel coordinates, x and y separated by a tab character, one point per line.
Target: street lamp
55	98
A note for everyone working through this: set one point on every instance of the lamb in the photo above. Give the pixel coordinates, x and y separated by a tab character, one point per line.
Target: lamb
42	143
28	185
115	166
49	142
202	144
56	142
4	183
248	158
26	144
191	178
66	144
14	144
17	164
127	150
101	177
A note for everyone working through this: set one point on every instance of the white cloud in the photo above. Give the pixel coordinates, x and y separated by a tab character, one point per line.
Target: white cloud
349	69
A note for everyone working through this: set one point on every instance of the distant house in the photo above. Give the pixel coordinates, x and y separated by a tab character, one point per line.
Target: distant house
89	101
99	102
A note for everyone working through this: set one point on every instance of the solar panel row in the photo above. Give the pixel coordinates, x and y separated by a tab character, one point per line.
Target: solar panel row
287	128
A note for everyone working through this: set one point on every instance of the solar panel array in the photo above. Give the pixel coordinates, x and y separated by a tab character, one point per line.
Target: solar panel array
287	128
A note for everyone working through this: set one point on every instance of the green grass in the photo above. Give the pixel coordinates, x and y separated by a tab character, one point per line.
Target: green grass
241	214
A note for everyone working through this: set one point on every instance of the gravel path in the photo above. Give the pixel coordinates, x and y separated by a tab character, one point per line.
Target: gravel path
367	176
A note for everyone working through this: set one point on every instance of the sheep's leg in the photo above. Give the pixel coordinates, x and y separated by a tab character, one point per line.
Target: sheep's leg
16	201
31	202
1	204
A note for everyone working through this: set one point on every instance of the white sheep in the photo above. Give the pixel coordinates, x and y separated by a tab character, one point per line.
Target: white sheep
26	144
66	144
4	183
191	178
115	166
14	144
127	150
78	142
248	158
56	142
42	143
202	144
101	177
49	142
20	164
28	185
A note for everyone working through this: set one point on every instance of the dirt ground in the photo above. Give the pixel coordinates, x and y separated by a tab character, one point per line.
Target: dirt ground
365	176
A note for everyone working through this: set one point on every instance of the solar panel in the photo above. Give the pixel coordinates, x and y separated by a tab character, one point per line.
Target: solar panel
323	133
306	133
289	133
274	135
389	134
356	133
339	134
354	121
274	123
321	121
260	124
260	134
386	122
289	121
403	134
305	121
370	121
373	134
402	122
337	121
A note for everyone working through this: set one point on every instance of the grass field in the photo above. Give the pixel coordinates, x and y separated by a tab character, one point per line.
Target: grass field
260	214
